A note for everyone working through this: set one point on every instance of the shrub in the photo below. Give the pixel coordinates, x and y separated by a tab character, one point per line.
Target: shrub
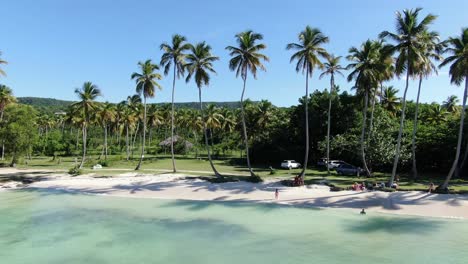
75	171
105	163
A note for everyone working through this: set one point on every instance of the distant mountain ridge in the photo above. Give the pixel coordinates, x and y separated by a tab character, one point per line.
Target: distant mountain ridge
51	105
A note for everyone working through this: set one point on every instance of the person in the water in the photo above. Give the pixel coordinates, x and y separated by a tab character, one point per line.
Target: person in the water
363	212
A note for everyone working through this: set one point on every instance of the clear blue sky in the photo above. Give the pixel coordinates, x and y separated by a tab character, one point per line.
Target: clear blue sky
53	46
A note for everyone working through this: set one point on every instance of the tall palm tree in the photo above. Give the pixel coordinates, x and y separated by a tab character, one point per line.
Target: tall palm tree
199	65
436	114
365	63
409	49
6	98
106	114
332	67
146	84
2	62
174	55
458	60
390	100
246	57
430	50
86	104
309	50
451	104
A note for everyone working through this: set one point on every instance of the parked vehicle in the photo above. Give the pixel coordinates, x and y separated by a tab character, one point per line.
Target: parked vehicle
333	164
347	169
290	164
322	162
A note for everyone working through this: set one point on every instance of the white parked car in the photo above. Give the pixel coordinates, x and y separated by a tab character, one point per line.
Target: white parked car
333	164
290	164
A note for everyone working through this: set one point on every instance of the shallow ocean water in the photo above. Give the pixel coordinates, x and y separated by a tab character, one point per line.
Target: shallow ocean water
54	227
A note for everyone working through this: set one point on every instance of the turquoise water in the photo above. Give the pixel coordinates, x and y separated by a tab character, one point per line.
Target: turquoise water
52	227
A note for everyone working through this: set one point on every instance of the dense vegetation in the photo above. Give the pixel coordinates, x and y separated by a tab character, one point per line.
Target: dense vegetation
373	128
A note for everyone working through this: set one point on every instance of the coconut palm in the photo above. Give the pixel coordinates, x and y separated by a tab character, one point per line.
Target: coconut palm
309	50
246	57
2	62
430	50
436	114
390	100
332	67
106	115
146	84
6	98
409	49
458	60
365	63
86	105
174	57
451	104
199	66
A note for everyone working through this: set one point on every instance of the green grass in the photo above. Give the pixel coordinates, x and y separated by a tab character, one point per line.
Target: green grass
230	167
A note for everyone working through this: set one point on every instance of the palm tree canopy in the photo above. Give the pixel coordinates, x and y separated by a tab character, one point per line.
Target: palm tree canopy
309	50
247	57
431	48
436	114
390	100
200	63
2	62
332	66
174	54
106	113
146	80
458	49
407	39
6	96
87	94
366	65
451	104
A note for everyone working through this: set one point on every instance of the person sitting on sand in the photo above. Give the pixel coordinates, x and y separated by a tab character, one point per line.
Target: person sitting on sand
363	212
395	185
355	186
431	187
362	186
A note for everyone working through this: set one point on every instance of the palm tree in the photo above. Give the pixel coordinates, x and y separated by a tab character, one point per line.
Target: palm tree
365	65
436	114
87	95
174	56
146	84
199	65
424	67
390	100
332	67
308	53
247	58
458	49
106	114
407	38
2	62
6	98
451	104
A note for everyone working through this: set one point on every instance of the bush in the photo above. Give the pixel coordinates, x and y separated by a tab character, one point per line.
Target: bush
75	171
105	163
272	171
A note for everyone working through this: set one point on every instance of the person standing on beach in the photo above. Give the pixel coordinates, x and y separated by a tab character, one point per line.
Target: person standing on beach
276	194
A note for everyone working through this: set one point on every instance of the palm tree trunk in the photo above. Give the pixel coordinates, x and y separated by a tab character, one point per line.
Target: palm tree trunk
415	129
363	133
306	104
206	134
371	121
127	143
462	163
172	120
400	132
105	141
134	138
244	128
328	123
144	135
444	186
84	146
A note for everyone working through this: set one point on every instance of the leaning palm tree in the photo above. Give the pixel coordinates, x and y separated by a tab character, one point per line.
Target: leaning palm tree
247	58
365	63
451	104
199	65
430	50
174	56
458	49
409	49
87	95
2	62
332	67
309	50
146	84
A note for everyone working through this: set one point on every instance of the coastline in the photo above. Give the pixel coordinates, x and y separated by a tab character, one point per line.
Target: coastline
181	187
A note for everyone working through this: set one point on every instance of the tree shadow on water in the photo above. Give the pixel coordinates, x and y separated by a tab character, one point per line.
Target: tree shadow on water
394	225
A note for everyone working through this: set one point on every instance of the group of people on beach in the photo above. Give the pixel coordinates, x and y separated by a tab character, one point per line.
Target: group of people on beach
360	187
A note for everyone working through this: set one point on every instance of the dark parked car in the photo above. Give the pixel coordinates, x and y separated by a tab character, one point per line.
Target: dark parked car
346	169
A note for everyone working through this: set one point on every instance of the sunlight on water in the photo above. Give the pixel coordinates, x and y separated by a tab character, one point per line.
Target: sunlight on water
52	227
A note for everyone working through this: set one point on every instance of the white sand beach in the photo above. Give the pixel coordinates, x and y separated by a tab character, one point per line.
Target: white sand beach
178	186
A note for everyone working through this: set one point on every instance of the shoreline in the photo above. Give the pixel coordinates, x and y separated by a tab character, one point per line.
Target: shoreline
178	187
